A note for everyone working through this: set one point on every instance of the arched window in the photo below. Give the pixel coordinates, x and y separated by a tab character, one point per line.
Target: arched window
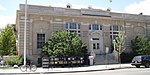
95	27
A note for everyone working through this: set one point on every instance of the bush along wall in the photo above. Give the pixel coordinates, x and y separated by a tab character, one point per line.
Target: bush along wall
13	60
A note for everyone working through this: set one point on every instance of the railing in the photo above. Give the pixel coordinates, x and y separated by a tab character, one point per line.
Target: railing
51	62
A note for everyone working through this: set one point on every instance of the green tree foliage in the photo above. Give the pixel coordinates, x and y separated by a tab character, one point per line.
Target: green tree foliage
64	44
119	42
7	41
141	45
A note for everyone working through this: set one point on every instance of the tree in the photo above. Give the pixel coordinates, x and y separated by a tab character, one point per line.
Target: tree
64	44
7	41
119	43
141	45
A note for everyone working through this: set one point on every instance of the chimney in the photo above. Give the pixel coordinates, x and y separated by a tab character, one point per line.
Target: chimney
141	13
90	7
68	5
109	9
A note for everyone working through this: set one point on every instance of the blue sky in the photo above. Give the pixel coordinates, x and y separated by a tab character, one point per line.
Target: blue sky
8	7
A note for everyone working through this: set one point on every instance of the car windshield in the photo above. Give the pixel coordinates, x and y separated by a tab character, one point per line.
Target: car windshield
137	58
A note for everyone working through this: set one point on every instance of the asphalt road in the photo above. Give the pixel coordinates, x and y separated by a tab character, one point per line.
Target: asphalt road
129	71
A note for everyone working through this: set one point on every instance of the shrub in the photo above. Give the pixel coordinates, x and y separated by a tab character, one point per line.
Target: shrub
13	60
64	43
127	57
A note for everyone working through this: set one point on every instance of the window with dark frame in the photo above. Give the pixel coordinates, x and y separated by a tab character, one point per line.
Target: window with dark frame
98	46
73	28
94	46
40	40
114	30
95	27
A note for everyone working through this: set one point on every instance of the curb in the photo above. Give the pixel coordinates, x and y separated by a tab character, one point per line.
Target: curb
68	71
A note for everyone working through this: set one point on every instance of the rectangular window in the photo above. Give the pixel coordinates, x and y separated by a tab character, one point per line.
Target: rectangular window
110	28
95	27
89	27
94	46
66	26
100	27
73	26
114	31
95	38
40	40
115	28
78	26
98	46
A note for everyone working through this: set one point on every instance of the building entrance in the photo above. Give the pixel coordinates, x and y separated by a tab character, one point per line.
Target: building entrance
96	43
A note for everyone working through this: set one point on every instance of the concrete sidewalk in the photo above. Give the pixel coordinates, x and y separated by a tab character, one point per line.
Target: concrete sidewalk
68	70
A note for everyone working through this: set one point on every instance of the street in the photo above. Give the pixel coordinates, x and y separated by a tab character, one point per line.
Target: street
125	71
128	71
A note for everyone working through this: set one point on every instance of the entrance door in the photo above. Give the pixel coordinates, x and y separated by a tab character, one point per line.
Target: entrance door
96	46
96	42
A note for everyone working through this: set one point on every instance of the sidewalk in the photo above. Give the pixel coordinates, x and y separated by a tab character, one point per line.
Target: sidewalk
68	70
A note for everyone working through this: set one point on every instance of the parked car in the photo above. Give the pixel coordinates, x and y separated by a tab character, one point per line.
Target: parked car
143	60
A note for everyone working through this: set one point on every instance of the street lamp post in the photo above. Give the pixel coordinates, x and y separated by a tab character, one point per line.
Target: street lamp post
92	54
107	49
25	28
92	51
114	44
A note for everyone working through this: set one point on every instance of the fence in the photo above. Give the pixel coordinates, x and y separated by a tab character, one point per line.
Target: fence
51	62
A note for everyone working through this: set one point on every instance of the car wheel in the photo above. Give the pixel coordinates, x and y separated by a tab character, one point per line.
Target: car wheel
137	66
147	65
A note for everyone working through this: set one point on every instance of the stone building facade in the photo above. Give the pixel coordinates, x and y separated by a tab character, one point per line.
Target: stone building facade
97	28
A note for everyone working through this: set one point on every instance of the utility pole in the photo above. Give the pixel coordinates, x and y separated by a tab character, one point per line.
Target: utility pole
25	28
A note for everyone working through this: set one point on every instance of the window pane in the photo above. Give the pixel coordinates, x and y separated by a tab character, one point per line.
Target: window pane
78	26
110	27
73	26
66	26
115	32
89	27
114	37
98	46
100	27
116	28
95	27
79	34
95	38
94	46
40	40
111	37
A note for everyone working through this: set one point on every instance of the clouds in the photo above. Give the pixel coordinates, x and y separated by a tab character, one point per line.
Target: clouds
2	8
141	7
64	0
4	20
